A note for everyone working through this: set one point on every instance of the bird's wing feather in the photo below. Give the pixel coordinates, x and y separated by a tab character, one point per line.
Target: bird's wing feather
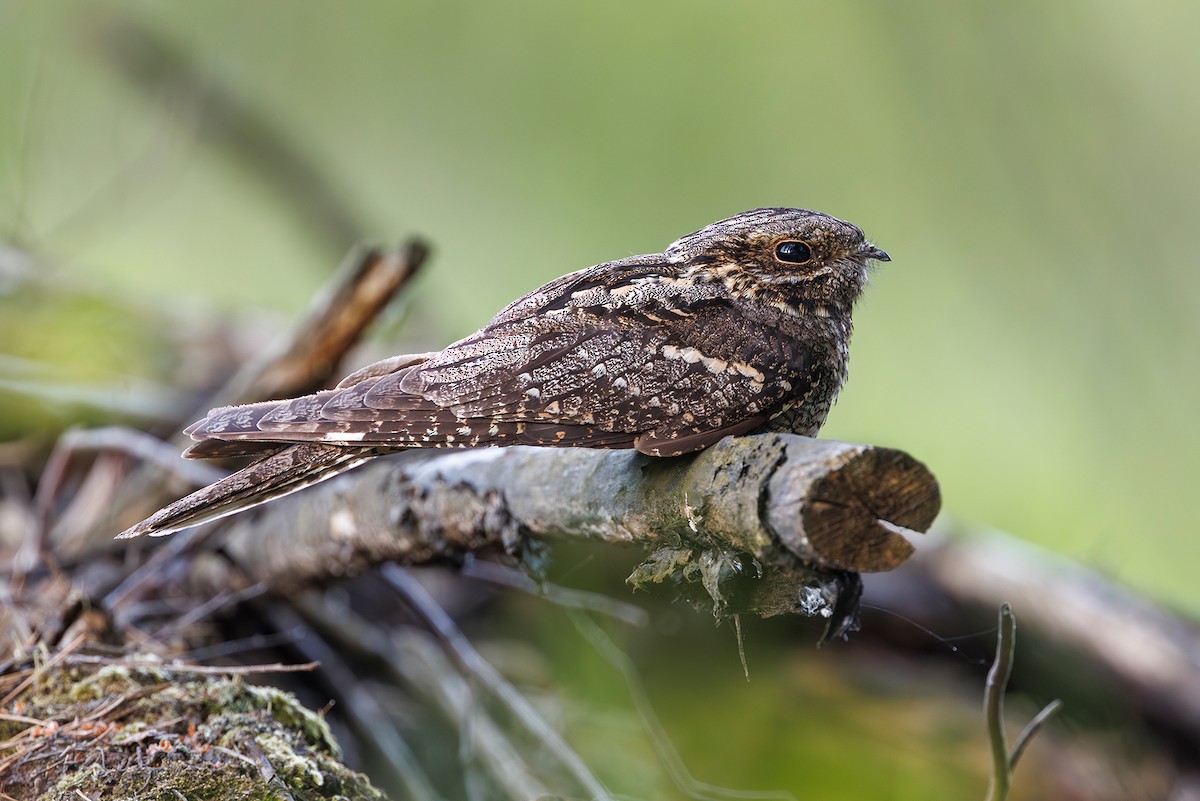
590	362
706	370
277	474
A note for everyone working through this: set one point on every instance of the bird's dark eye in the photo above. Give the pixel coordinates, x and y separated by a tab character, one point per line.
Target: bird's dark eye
793	252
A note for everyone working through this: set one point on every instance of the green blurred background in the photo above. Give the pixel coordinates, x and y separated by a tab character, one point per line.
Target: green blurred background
1032	168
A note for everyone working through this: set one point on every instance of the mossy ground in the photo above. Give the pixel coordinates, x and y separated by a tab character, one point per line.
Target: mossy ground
140	731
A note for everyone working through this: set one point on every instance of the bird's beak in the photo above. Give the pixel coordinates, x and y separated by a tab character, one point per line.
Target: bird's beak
869	251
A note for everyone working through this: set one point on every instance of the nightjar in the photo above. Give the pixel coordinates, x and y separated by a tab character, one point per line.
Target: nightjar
741	327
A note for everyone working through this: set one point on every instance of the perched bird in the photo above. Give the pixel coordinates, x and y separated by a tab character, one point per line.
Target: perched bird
741	327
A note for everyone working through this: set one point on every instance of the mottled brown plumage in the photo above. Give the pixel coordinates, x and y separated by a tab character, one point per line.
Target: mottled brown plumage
740	327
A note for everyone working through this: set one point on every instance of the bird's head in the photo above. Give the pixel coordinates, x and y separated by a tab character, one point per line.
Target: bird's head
787	250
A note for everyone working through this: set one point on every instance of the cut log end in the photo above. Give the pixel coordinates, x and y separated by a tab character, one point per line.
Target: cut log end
858	515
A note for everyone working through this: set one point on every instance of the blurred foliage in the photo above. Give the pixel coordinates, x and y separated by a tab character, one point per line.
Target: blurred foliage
66	361
1031	168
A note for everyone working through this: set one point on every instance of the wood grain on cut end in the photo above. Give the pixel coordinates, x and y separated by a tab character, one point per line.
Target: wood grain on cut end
855	516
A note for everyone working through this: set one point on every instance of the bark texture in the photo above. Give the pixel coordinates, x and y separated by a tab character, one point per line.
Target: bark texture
779	510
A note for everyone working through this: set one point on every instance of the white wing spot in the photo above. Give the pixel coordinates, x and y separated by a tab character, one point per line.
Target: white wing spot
748	371
343	436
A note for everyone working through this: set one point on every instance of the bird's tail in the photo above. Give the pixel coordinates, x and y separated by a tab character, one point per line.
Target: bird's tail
281	473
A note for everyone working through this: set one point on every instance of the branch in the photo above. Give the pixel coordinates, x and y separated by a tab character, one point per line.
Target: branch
792	512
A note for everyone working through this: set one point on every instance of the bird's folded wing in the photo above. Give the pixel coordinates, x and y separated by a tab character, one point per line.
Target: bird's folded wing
577	379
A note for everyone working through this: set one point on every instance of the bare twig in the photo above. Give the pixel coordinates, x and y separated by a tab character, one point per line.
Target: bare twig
993	703
1033	727
222	600
146	575
569	597
266	770
179	667
32	677
470	661
120	439
362	712
414	658
1003	761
